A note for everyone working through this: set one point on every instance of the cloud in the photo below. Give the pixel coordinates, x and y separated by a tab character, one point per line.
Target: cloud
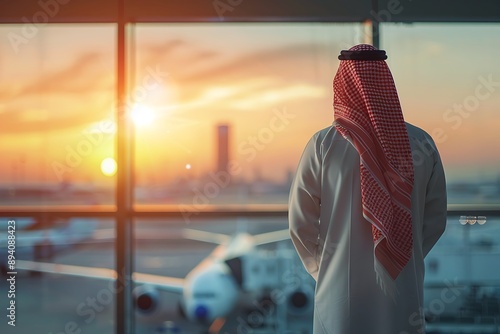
263	77
22	120
79	78
23	111
275	69
259	62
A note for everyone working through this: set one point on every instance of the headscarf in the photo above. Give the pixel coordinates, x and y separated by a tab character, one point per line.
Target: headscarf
368	113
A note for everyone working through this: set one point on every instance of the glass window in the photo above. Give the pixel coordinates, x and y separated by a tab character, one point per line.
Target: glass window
223	111
222	114
57	112
448	81
462	282
57	84
77	294
244	270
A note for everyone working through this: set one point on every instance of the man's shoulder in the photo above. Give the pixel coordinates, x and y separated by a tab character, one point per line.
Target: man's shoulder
321	134
325	135
416	133
420	140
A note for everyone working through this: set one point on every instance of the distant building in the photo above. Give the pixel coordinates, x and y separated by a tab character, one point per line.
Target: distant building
222	147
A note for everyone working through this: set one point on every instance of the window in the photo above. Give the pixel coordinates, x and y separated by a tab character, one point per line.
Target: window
232	109
221	114
448	82
57	115
56	129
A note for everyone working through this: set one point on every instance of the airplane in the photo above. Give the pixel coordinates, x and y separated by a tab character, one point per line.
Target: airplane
236	275
43	239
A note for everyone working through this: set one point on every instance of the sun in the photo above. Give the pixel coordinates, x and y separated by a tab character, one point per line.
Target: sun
108	167
141	115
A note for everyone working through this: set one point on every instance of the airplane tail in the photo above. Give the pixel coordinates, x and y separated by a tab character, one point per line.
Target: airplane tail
210	237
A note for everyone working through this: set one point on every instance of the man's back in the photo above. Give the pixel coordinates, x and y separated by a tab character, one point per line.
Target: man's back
338	251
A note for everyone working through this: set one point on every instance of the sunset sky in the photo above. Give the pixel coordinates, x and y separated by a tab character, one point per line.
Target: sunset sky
57	96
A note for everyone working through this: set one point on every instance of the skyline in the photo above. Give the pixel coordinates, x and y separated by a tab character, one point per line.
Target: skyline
199	80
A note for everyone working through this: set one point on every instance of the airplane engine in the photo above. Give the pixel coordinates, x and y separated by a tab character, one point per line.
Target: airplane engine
300	301
211	293
147	302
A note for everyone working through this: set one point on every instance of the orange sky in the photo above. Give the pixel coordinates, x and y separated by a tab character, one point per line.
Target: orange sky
271	82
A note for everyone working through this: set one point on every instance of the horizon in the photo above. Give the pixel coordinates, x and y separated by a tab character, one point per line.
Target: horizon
190	79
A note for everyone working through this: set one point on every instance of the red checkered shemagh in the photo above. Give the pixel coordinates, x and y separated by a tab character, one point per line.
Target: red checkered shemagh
368	113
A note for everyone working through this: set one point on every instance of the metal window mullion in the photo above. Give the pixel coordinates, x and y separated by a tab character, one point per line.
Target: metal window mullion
124	323
375	25
453	210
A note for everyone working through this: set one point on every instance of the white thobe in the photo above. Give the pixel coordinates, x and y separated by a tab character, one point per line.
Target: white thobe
335	242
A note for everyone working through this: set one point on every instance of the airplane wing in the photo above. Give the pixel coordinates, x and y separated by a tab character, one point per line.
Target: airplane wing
65	269
166	283
210	237
171	284
197	235
270	237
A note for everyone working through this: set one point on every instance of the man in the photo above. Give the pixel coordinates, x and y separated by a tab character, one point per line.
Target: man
367	204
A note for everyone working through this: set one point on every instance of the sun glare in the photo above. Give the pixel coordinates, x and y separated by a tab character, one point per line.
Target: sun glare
108	167
142	115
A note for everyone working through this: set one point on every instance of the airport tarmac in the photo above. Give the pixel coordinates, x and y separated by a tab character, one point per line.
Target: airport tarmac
57	304
60	304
